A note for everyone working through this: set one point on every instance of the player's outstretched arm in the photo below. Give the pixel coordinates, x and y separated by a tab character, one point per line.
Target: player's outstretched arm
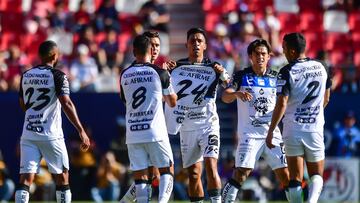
278	113
70	111
228	95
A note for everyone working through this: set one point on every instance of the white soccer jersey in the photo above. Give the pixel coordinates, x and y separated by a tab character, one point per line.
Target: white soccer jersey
195	85
142	89
254	117
40	87
305	82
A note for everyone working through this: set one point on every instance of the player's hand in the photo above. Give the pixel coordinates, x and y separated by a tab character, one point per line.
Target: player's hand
218	68
268	140
85	141
244	96
169	65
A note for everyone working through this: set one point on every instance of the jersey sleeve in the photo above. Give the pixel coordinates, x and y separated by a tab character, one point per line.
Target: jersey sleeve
283	82
61	83
164	75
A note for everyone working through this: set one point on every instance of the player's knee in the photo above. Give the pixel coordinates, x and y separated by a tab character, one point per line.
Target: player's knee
61	179
194	174
27	178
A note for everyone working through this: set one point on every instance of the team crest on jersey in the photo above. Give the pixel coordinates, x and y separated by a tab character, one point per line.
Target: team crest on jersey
272	82
261	105
261	91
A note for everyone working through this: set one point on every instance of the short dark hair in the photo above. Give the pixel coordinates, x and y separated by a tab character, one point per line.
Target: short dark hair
256	43
295	41
46	47
141	44
193	31
151	34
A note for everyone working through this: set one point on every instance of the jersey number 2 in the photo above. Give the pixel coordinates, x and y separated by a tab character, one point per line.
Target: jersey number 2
312	86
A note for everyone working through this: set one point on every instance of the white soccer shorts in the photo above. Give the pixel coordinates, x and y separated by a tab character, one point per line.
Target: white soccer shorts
249	150
53	151
197	144
309	144
143	155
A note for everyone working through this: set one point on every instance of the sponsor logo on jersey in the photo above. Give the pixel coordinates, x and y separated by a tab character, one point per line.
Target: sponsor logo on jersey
261	82
312	75
281	82
261	105
141	113
138	73
261	91
139	127
140	80
258	123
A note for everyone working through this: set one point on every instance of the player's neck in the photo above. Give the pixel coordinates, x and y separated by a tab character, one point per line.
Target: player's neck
48	63
260	71
142	59
301	57
196	59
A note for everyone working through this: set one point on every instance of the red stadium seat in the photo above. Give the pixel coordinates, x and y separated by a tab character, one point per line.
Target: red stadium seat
354	21
123	40
258	5
355	41
289	22
12	22
310	5
7	39
357	59
337	57
338	41
211	20
311	21
314	42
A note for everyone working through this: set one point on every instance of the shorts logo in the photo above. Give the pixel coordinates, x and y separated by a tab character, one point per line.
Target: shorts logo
213	144
180	120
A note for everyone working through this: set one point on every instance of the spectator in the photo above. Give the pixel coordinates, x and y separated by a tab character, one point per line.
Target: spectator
82	17
109	56
349	73
83	71
59	19
155	16
347	137
7	186
87	37
269	27
15	67
220	48
109	175
107	16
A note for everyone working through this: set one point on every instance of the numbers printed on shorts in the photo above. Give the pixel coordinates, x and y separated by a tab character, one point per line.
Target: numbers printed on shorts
43	99
139	97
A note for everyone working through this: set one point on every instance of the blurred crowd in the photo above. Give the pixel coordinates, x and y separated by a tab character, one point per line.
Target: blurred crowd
331	28
94	38
95	35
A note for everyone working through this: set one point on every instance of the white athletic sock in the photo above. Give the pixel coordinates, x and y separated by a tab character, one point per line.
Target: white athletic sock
230	191
165	187
287	194
63	196
295	194
149	188
130	195
142	193
21	196
315	188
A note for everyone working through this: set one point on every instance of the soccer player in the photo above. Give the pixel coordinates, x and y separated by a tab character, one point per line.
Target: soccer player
254	88
303	89
130	195
143	87
195	116
44	90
